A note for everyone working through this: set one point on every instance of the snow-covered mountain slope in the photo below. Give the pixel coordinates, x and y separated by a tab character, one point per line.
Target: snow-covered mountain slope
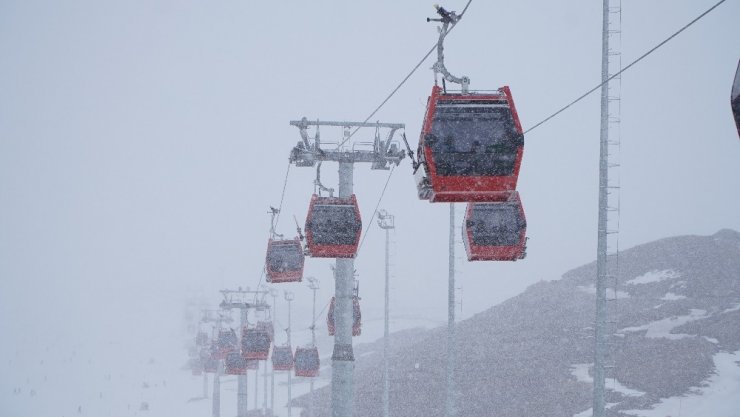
677	344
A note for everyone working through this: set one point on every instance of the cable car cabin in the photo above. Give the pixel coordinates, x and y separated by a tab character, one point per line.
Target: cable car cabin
282	358
333	227
470	147
235	364
307	361
284	261
210	365
495	231
735	98
256	344
356	317
227	342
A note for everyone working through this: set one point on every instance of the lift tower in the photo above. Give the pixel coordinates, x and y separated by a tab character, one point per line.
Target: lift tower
238	299
380	154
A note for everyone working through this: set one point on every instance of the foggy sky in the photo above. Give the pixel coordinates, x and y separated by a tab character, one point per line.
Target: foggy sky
142	142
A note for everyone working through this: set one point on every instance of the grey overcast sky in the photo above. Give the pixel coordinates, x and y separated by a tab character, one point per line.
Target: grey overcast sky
141	143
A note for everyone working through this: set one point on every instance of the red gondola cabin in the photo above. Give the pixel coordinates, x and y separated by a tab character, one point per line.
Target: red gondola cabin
333	227
307	361
356	317
284	261
496	231
470	147
735	98
226	343
235	364
282	358
210	364
255	344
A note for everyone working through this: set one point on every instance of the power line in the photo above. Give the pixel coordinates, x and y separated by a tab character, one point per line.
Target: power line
277	219
625	68
282	196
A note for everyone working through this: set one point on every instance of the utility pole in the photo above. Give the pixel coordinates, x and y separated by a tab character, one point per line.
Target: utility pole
256	385
289	299
237	299
216	410
217	317
205	384
273	294
387	222
450	409
601	269
313	284
264	388
380	156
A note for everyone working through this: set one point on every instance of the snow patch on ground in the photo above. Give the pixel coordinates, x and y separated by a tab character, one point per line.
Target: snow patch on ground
654	276
591	289
662	328
586	413
580	371
717	397
731	309
672	297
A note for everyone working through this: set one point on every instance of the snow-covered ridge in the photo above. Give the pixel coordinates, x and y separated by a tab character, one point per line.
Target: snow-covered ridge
662	328
581	372
718	396
654	276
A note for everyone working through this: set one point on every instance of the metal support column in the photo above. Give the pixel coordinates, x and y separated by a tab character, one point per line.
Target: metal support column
600	321
289	298
216	410
383	154
264	390
386	222
450	409
274	294
241	395
313	284
342	375
256	385
205	385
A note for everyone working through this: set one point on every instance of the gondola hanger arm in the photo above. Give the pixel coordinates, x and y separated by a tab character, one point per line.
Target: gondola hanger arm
448	19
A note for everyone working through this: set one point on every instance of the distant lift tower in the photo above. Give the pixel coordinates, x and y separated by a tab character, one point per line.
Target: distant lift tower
380	153
243	300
